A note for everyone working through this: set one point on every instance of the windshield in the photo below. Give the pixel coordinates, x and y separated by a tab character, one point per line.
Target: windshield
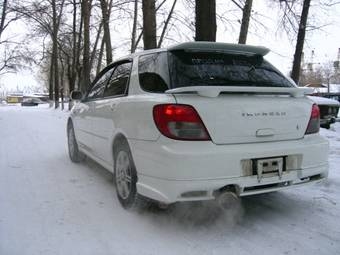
221	69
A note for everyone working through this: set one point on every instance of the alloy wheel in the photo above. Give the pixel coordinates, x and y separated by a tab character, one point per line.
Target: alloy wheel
123	174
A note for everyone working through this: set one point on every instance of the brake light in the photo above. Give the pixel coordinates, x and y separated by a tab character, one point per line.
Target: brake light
314	121
180	122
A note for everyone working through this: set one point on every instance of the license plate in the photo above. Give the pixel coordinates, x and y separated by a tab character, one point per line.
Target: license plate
269	165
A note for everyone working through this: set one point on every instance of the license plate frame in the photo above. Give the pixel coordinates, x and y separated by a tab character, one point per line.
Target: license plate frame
268	166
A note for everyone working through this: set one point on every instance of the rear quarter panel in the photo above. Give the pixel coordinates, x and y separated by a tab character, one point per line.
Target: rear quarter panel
134	116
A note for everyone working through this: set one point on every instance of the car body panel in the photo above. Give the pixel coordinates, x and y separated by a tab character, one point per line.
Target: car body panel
81	116
254	113
204	166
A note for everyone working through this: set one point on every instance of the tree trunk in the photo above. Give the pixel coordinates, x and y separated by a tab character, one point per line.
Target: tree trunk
100	57
55	55
134	27
149	24
142	32
205	22
50	81
94	50
107	37
3	16
86	9
62	76
79	68
74	49
245	22
300	41
73	72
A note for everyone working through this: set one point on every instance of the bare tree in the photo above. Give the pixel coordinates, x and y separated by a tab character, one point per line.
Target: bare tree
134	27
10	58
246	14
107	37
136	39
56	17
205	21
329	73
71	70
86	13
3	17
300	41
39	14
149	24
296	22
166	24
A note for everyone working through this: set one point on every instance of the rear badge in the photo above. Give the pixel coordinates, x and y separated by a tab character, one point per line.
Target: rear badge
264	114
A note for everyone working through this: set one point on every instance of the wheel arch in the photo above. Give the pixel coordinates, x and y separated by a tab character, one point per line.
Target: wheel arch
118	139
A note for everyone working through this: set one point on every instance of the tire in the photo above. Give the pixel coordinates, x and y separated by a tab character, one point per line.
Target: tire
125	178
326	126
73	151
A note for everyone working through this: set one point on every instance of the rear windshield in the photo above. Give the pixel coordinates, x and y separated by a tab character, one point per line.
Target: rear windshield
220	69
161	71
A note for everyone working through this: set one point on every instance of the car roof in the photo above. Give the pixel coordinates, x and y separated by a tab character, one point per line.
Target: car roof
206	47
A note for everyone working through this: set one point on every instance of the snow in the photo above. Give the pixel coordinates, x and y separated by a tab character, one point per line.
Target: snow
49	205
324	101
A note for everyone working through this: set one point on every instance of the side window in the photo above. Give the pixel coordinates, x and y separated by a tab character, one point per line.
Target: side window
97	90
119	81
153	72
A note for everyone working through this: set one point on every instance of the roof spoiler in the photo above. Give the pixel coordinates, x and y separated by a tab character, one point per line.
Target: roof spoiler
221	47
214	91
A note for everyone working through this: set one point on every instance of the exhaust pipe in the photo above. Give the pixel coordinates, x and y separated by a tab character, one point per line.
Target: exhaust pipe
228	200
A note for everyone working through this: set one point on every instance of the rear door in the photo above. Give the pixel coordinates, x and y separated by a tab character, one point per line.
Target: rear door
106	111
85	114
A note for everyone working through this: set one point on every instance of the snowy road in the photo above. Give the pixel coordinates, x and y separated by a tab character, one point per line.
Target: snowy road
49	205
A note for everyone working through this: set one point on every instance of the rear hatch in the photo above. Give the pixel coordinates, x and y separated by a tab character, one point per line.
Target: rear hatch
240	97
238	118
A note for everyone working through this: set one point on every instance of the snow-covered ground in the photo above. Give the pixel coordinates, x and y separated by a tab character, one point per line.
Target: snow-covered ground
49	205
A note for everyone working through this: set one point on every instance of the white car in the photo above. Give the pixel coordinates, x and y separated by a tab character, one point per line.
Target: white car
197	120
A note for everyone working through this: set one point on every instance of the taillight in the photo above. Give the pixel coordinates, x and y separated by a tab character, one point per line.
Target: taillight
180	122
314	121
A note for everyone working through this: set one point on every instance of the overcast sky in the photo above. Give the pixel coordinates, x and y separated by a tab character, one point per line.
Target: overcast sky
324	42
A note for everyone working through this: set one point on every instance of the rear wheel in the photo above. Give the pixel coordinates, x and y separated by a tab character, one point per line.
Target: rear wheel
327	126
73	150
125	178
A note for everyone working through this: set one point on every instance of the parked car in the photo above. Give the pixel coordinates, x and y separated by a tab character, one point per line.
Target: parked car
330	95
198	121
328	110
30	101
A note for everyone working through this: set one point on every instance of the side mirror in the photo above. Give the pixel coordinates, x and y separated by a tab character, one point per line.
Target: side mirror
76	95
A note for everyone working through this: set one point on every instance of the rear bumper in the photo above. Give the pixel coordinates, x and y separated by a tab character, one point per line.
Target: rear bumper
169	191
171	171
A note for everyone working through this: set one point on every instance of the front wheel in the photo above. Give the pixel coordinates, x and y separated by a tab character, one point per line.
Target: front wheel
125	178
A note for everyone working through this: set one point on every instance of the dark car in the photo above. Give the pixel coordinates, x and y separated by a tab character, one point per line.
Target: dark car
328	110
30	102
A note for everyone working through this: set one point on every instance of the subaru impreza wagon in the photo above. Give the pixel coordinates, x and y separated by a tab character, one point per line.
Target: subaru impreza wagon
195	120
